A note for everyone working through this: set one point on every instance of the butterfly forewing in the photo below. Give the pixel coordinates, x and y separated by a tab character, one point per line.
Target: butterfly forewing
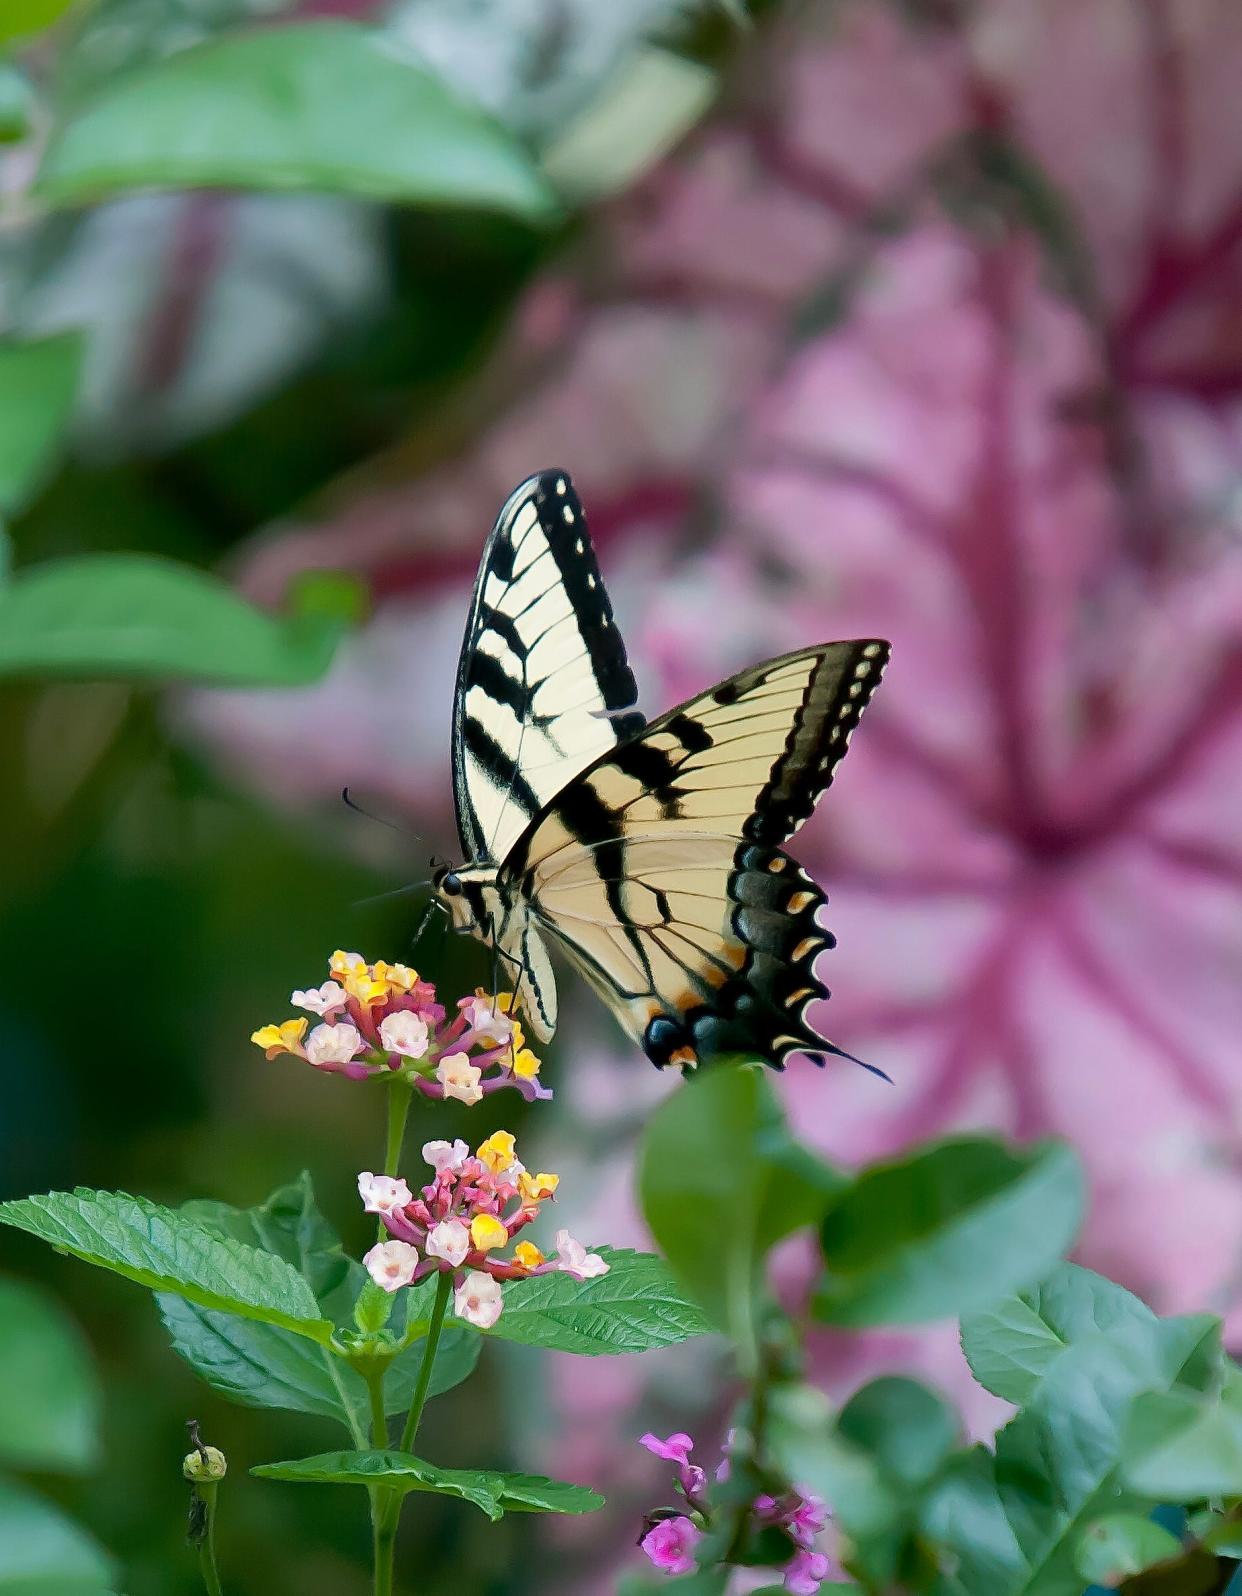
543	685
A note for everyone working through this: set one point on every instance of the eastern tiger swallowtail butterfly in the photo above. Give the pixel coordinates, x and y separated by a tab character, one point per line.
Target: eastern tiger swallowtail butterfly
648	853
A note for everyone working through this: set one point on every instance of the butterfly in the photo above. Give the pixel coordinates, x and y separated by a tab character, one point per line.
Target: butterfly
648	853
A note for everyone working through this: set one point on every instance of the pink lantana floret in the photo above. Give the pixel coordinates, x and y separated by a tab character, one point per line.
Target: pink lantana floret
325	1000
382	1194
405	1033
576	1260
391	1264
446	1155
333	1044
478	1300
449	1241
670	1544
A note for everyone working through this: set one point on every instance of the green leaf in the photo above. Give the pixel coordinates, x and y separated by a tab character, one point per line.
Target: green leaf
721	1181
160	1248
1012	1344
20	17
43	1553
636	1306
703	1582
329	106
806	1446
37	385
134	616
260	1365
1184	1447
906	1428
947	1231
494	1493
49	1418
1010	1524
1122	1544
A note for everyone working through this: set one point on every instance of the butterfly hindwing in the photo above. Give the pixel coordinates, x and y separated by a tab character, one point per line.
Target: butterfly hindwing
657	869
543	684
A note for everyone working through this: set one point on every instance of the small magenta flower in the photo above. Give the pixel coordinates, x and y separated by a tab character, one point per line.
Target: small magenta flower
478	1299
443	1156
670	1544
381	1194
805	1572
459	1078
676	1449
808	1519
576	1260
325	1000
333	1044
448	1241
406	1033
391	1264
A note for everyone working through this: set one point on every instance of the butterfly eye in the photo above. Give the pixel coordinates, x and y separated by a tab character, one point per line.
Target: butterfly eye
450	884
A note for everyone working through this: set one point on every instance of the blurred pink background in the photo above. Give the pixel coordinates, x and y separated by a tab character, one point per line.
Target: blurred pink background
931	331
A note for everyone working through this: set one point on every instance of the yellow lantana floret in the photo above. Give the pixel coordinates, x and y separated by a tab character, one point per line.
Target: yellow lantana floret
487	1232
283	1038
497	1152
398	977
525	1064
528	1255
534	1188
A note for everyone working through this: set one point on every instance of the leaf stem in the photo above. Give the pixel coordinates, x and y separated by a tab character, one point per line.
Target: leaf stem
385	1542
444	1285
400	1093
207	1545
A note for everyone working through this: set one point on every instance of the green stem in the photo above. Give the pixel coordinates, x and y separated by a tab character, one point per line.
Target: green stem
207	1546
400	1095
444	1285
385	1542
379	1418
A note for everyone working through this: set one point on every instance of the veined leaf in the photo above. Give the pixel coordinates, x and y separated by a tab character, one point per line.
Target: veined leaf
137	617
947	1230
329	106
1012	1344
1185	1447
162	1249
493	1493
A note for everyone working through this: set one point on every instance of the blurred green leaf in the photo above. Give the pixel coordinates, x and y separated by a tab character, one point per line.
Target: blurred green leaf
494	1493
947	1230
288	1224
38	380
636	1306
17	102
328	106
1122	1544
1184	1447
1012	1344
134	616
906	1428
704	1582
20	17
160	1248
721	1181
49	1410
43	1553
1009	1524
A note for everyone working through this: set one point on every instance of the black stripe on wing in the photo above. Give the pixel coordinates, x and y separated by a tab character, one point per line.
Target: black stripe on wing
757	1007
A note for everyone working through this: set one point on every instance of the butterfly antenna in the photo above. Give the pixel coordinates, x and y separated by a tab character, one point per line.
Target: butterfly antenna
392	825
397	892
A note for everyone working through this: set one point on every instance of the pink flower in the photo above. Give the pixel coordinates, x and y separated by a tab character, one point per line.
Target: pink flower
478	1300
444	1156
576	1260
391	1264
449	1240
676	1449
381	1194
460	1078
808	1519
334	1044
405	1033
670	1544
805	1572
325	1000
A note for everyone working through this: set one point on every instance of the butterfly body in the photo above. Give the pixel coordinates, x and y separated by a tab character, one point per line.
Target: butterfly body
648	854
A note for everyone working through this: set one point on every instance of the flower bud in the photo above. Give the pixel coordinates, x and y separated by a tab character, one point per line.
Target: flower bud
204	1464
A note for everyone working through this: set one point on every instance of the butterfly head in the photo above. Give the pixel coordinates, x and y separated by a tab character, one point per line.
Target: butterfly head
468	896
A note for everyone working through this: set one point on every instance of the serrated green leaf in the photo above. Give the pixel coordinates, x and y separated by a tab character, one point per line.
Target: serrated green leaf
160	1248
721	1182
288	1224
1012	1344
37	385
947	1230
1122	1544
138	617
1182	1446
328	106
1009	1524
49	1415
492	1492
43	1553
636	1306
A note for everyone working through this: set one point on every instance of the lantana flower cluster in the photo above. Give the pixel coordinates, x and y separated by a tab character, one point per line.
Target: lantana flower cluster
671	1536
462	1221
374	1019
